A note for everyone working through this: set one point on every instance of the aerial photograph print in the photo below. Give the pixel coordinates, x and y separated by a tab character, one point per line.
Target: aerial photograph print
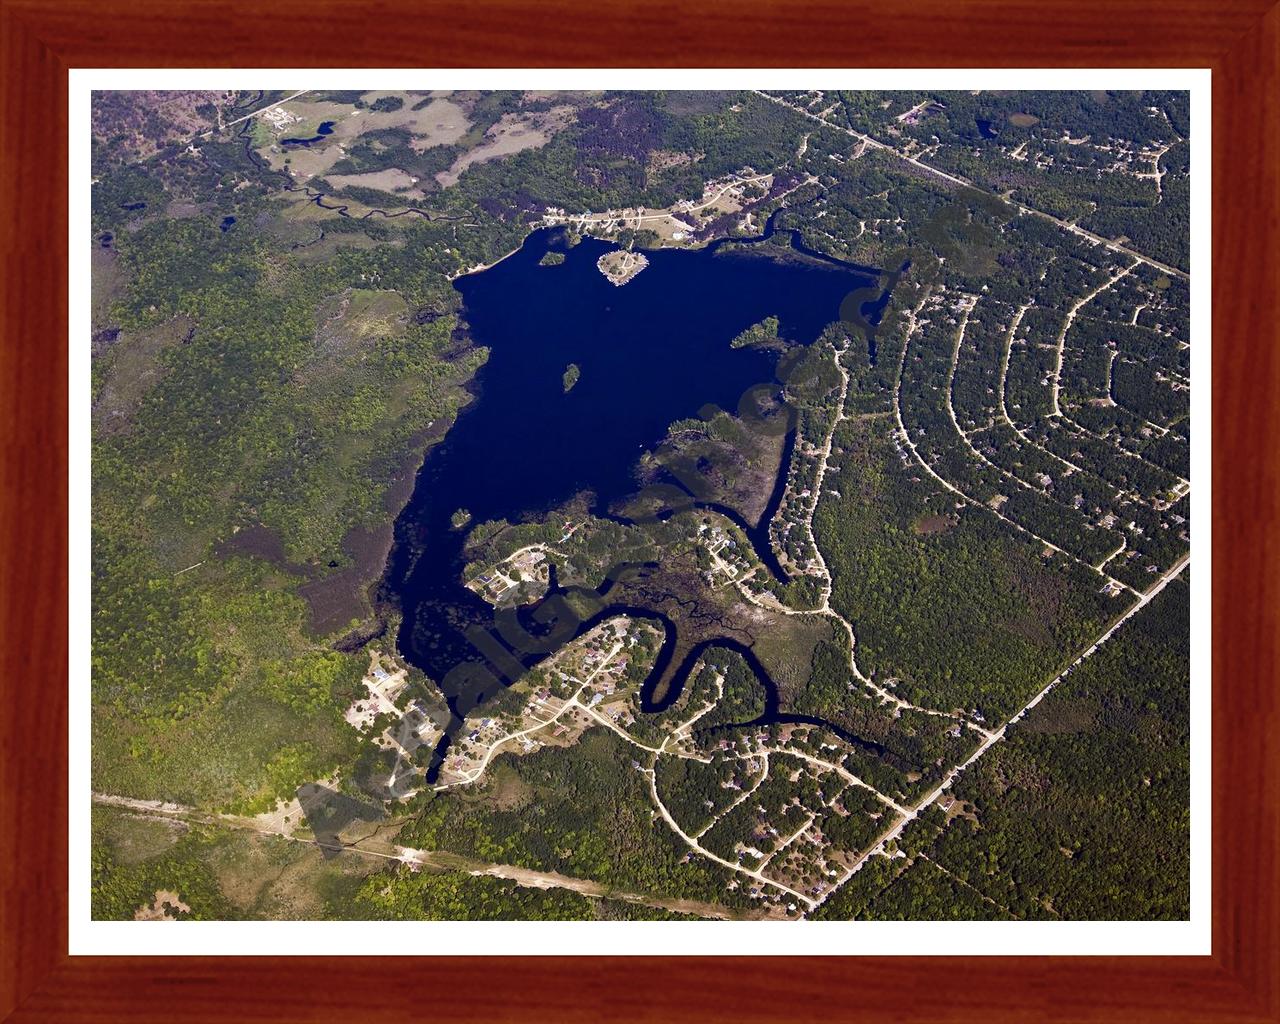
622	505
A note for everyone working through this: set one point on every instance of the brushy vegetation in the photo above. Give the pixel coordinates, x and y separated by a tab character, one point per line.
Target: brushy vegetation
582	810
1080	814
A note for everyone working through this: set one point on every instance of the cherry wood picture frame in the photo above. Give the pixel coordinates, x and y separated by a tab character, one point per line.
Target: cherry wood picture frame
41	39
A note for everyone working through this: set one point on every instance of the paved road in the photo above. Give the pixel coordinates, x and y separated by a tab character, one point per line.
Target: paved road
893	833
957	180
255	113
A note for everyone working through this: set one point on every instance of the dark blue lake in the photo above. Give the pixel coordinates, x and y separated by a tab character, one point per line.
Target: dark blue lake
650	352
324	128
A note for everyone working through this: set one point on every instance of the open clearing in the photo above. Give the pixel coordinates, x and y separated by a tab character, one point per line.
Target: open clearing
441	122
165	902
391	180
513	133
928	525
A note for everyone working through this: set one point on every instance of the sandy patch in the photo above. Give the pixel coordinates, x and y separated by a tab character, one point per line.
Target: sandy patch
165	907
281	819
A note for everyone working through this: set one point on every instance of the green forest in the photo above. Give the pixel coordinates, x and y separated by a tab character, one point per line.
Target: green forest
274	352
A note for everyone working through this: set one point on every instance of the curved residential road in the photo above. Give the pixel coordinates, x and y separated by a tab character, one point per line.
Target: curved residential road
697	847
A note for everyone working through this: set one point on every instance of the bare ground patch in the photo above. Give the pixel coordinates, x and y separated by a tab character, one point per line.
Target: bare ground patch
926	526
166	906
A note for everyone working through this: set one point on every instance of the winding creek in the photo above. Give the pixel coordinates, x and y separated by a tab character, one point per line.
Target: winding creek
651	352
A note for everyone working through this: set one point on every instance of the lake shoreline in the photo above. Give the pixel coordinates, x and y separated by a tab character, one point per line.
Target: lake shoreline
525	444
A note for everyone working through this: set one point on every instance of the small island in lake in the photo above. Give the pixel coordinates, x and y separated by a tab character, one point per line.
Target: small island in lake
764	333
571	375
551	259
621	265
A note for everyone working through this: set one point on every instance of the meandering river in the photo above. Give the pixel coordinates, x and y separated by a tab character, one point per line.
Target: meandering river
650	352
